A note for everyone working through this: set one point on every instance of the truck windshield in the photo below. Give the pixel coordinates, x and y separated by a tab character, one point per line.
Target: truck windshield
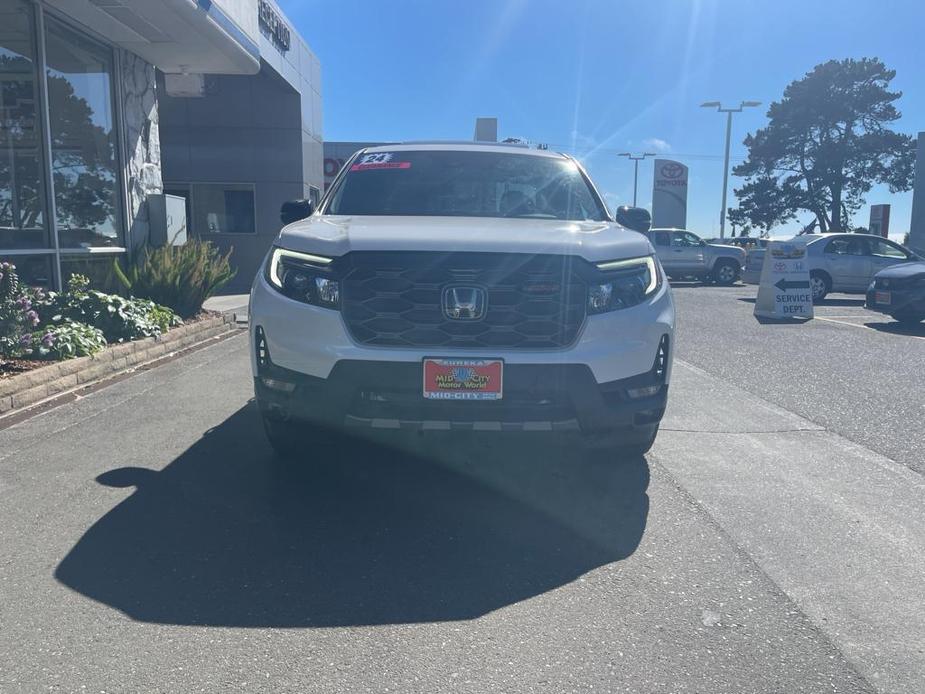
465	184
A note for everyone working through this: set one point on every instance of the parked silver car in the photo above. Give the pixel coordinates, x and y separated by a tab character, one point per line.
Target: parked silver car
839	262
683	253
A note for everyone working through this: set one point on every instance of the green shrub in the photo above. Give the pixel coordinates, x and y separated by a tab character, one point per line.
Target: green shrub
119	318
163	317
66	340
180	277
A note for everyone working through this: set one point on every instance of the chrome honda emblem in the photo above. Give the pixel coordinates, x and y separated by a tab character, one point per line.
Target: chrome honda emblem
464	303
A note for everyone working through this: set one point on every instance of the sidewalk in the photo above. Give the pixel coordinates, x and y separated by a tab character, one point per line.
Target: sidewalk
229	303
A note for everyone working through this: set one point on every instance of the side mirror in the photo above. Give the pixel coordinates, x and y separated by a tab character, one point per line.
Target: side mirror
294	210
635	218
702	242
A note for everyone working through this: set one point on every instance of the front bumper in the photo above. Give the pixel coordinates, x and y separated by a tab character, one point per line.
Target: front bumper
903	301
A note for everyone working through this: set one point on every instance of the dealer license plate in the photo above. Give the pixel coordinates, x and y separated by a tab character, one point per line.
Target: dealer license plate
883	297
463	379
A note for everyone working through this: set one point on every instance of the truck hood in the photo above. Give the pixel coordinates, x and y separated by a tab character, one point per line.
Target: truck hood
334	235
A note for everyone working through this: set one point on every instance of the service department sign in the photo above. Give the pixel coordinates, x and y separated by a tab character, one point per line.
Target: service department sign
669	194
784	290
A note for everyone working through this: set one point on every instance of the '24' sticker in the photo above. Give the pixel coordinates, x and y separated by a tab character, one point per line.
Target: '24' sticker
379	160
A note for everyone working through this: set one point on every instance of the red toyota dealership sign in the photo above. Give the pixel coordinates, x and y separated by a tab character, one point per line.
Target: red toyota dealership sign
879	220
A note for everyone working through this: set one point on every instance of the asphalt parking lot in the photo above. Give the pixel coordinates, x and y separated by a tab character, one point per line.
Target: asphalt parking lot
773	540
854	371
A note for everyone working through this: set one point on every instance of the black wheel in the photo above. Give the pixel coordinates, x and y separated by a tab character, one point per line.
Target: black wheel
725	272
283	438
820	284
908	320
624	445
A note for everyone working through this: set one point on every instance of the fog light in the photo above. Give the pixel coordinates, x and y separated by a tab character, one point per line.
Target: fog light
276	384
645	392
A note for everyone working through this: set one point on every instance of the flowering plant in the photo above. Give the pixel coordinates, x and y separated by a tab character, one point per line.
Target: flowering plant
119	318
18	318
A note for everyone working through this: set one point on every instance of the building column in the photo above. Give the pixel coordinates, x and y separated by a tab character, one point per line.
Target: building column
142	143
917	227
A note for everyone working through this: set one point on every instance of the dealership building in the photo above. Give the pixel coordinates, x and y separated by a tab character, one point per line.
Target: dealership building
111	108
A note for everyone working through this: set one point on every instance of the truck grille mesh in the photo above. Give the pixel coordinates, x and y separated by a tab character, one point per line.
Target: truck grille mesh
395	299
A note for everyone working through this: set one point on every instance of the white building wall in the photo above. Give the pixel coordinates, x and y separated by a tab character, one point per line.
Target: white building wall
243	13
300	67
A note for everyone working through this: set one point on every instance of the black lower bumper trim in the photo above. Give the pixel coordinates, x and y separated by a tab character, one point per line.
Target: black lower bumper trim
387	395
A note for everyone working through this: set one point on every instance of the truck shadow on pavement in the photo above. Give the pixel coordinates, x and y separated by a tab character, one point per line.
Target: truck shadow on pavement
372	534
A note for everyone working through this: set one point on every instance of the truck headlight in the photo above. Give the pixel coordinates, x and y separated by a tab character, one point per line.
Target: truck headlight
624	283
303	277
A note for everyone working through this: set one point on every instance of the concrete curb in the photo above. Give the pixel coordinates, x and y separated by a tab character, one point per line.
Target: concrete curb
47	381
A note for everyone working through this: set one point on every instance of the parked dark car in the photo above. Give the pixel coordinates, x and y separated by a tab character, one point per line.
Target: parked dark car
899	291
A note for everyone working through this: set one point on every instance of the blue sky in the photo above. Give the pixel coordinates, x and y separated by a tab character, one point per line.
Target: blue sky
595	78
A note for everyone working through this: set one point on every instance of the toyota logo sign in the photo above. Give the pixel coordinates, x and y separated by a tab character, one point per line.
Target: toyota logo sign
672	170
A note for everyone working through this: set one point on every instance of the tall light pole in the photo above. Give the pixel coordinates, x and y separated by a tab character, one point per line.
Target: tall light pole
635	158
728	111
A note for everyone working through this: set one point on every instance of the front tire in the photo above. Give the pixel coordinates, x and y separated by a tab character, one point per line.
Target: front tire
283	438
725	272
297	441
820	284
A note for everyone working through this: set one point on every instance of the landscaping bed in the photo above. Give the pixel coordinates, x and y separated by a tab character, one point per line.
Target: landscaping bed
40	379
15	367
51	342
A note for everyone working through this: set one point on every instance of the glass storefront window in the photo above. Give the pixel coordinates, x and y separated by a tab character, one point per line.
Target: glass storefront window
34	270
22	198
223	208
99	270
84	152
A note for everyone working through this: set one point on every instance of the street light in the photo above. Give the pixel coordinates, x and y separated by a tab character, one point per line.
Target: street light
636	158
728	111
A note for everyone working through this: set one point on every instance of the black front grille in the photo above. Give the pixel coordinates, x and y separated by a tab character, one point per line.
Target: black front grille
395	299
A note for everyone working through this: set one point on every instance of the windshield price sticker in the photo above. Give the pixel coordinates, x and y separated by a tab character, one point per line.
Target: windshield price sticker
379	160
784	290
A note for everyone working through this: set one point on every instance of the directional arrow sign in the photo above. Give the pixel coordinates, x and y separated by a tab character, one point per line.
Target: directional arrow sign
784	285
784	291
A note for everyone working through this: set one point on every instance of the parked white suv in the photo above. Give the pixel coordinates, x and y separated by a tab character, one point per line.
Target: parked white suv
461	286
